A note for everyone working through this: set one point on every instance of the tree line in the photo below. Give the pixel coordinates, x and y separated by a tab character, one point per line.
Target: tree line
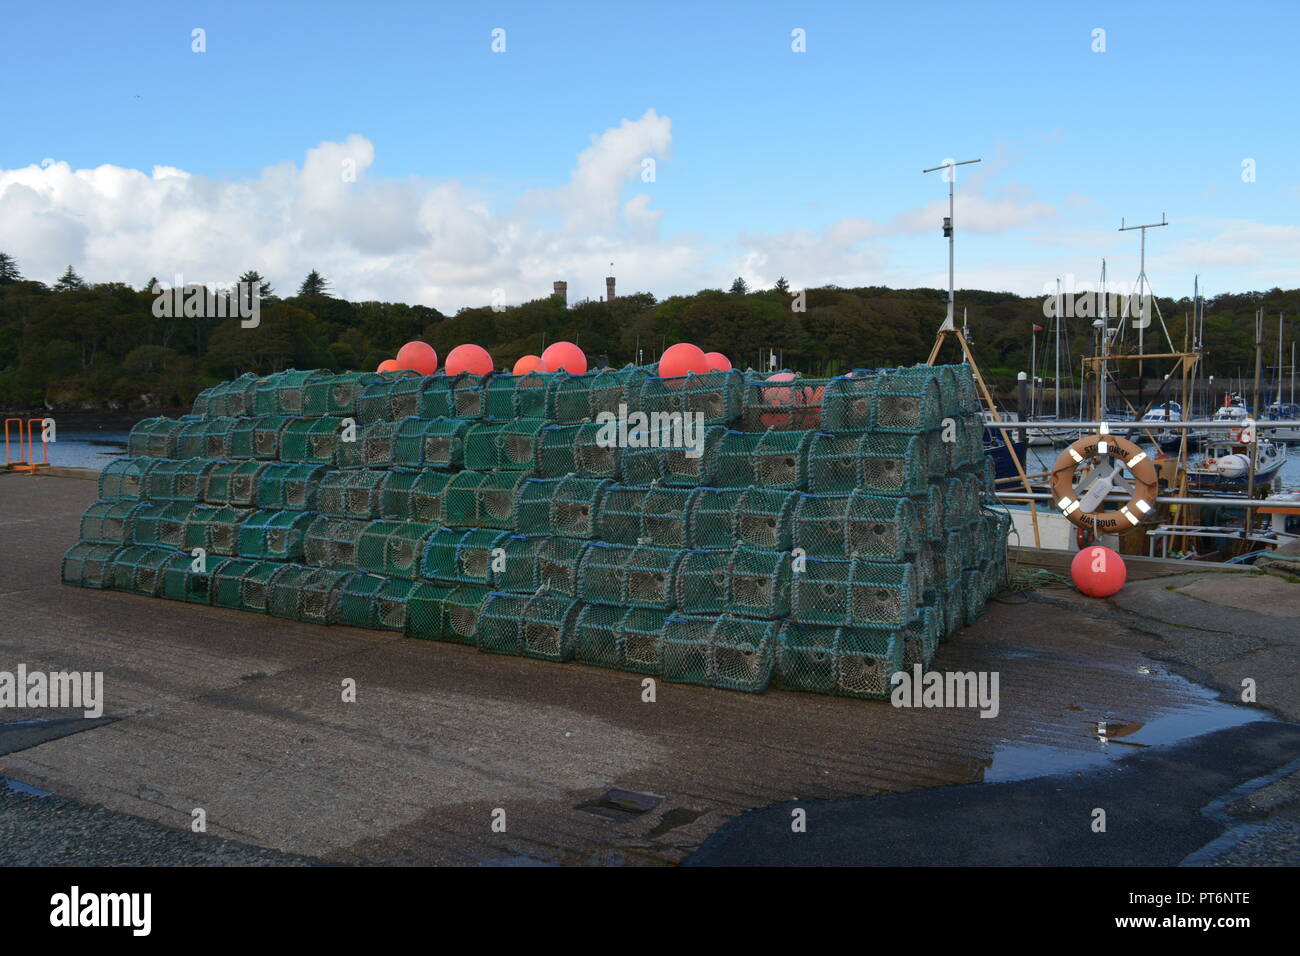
91	345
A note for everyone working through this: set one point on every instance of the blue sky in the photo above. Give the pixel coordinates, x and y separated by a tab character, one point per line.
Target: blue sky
774	162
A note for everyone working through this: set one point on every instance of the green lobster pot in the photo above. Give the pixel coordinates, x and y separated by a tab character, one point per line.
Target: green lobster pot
630	639
311	440
719	651
581	398
849	404
460	613
160	524
203	438
373	448
282	486
275	535
89	565
108	522
232	482
426	611
393	395
582	450
411	495
138	569
922	636
231	399
544	562
285	393
844	661
155	438
716	396
484	500
645	460
658	516
563	506
333	542
353	494
123	478
842	526
632	576
300	593
454	556
507	446
770	459
370	600
243	584
908	401
393	547
741	581
172	480
180	582
507	398
255	438
215	529
452	396
722	518
793	404
853	592
431	443
532	625
335	395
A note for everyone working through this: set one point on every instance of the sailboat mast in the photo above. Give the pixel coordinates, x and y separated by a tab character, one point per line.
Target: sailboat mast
1056	381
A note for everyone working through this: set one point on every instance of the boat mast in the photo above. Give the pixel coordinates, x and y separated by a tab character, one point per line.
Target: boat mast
1056	380
949	230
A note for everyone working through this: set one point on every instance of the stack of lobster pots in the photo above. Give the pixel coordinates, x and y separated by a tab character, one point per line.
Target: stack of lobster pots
728	529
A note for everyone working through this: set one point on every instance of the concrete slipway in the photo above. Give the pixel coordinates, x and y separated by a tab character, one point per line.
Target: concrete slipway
242	716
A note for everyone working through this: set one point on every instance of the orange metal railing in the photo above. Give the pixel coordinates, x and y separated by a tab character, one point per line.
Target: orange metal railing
26	462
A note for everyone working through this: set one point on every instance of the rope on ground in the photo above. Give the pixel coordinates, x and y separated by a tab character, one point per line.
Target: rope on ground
1026	579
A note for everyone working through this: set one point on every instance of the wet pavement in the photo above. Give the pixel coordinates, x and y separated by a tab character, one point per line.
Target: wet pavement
242	716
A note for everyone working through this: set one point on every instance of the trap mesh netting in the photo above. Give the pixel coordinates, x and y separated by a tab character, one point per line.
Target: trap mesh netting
728	530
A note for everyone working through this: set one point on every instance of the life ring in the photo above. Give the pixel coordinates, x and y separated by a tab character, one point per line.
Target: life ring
1084	506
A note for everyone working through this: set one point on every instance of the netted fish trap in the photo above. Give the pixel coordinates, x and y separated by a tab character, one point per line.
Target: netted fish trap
722	518
921	637
232	482
230	399
630	639
242	583
793	403
255	438
741	581
528	625
275	535
630	575
286	486
411	495
894	464
854	591
948	606
770	459
931	512
580	398
644	460
173	480
300	593
543	562
355	493
479	499
431	443
372	448
159	524
155	438
362	599
656	515
182	582
938	452
88	564
285	393
970	453
586	450
857	524
203	438
215	529
122	479
907	401
108	522
311	441
949	559
563	506
923	568
333	542
973	595
849	404
440	613
335	395
972	546
450	396
456	556
392	395
719	651
138	568
508	397
716	396
393	547
949	390
844	661
504	446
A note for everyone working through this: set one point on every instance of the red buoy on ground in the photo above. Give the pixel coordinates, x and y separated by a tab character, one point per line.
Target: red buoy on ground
565	357
1098	571
469	358
418	357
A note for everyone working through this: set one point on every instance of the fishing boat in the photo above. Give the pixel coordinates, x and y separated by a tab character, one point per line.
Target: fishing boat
996	449
1225	465
1278	412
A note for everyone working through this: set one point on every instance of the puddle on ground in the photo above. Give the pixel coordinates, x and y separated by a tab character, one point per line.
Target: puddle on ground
1202	713
19	787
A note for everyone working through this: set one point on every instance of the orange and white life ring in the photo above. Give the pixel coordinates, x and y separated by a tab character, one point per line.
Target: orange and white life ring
1110	455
